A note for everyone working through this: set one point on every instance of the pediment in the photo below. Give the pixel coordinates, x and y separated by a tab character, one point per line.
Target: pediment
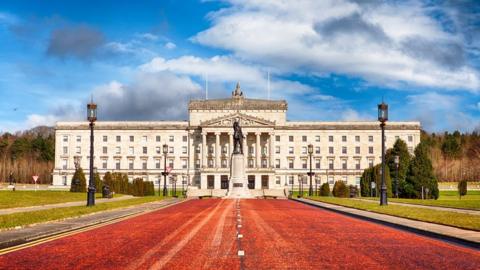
245	121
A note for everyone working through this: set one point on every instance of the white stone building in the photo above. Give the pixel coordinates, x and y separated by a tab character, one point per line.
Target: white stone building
275	149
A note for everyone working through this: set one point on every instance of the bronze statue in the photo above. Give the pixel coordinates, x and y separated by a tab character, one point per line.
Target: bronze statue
237	138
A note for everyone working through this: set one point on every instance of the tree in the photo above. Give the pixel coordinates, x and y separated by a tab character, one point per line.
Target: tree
451	149
462	188
325	190
420	174
400	148
340	189
374	175
79	183
98	183
365	182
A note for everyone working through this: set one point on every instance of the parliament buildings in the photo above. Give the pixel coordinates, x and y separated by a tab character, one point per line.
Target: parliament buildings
199	150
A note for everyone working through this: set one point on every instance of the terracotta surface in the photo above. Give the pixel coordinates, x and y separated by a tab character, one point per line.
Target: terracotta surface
277	234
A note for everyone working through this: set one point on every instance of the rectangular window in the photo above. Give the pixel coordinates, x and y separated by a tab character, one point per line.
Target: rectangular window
277	138
317	150
290	149
250	163
304	150
117	164
344	138
277	163
264	163
344	164
410	138
317	163
317	138
104	164
277	149
65	150
330	164
130	164
197	149
184	138
132	138
357	149
105	138
78	150
290	138
171	163
171	150
144	138
370	162
184	163
79	138
304	138
64	164
330	149
145	149
370	138
330	138
290	163
118	150
158	150
105	150
224	163
131	150
184	149
357	164
157	163
370	149
158	138
65	138
357	138
171	138
304	163
290	180
119	138
344	150
197	163
144	165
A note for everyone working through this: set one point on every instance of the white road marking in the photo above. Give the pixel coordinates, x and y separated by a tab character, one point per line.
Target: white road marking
240	236
241	253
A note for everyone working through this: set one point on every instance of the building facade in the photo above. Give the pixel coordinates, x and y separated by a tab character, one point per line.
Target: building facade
199	150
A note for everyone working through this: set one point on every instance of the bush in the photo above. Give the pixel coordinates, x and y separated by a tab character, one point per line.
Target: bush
340	189
462	188
98	183
325	190
353	191
79	183
137	187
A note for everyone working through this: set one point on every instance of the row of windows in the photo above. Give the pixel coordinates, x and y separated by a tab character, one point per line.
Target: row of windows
331	138
131	150
144	164
317	164
131	138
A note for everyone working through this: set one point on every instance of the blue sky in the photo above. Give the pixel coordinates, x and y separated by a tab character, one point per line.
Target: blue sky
331	60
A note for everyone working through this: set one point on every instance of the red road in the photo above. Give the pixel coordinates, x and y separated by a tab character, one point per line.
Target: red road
277	234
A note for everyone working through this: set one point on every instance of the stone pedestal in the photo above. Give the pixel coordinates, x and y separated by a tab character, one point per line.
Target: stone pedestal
238	180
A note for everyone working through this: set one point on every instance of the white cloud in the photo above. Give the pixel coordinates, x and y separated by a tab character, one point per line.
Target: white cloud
148	36
386	43
170	45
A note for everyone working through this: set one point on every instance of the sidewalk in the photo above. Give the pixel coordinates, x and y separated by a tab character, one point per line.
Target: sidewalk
462	236
439	208
12	238
7	211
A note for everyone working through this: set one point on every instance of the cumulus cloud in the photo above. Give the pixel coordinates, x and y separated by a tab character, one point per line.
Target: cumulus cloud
385	43
170	45
78	41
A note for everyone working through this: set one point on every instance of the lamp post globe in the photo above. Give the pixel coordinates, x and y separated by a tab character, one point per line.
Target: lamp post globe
396	160
310	173
165	173
91	117
383	118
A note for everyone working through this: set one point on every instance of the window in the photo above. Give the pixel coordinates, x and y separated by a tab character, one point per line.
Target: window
357	149
304	138
64	164
250	163
370	149
184	138
277	163
357	180
370	138
290	138
357	138
119	138
144	165
317	138
131	150
64	179
78	150
344	164
277	180
317	150
130	164
224	163
344	138
330	138
118	150
117	164
79	138
330	149
264	163
65	138
370	162
197	163
277	149
145	149
157	163
357	164
171	163
170	150
105	150
410	138
158	150
277	138
158	138
304	149
171	138
184	149
304	163
290	149
344	150
65	150
317	163
331	179
251	150
290	163
290	180
197	149
330	164
132	138
105	138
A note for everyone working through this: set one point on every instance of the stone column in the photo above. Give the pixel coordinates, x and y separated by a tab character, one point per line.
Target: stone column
257	150
270	149
204	149
230	143
245	149
217	149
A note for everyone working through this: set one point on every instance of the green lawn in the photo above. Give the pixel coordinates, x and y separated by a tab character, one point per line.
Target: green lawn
10	199
26	218
466	221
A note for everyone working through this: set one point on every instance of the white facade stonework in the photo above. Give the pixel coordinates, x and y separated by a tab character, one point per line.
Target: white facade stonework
275	149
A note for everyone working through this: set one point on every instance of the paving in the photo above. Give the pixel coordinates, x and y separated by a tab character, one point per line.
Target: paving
463	236
439	208
59	205
243	234
34	232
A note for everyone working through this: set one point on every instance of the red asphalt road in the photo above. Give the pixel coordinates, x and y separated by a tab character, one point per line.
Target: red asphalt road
277	234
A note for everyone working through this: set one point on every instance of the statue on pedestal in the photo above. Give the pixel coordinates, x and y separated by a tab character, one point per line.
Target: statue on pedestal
237	138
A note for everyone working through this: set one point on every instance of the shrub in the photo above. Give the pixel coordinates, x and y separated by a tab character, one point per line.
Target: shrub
325	189
79	183
340	189
137	187
462	188
353	191
98	183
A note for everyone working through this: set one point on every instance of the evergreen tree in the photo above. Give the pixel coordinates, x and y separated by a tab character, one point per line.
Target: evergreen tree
365	182
340	189
107	180
420	174
79	183
325	190
451	149
400	148
98	183
462	188
374	175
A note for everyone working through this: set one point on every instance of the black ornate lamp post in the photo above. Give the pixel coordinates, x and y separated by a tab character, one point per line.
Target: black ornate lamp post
383	117
92	117
310	173
165	173
396	159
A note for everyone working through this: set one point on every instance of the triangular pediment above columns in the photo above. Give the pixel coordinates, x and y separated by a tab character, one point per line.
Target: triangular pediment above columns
245	121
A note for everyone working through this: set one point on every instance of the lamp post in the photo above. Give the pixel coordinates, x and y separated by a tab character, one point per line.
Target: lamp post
310	173
300	182
165	173
396	159
92	117
383	117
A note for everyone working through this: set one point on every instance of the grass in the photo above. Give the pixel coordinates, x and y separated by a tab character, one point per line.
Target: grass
11	199
466	221
27	218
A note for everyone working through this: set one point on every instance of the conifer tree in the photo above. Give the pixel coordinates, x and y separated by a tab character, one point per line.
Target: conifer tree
79	183
420	174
